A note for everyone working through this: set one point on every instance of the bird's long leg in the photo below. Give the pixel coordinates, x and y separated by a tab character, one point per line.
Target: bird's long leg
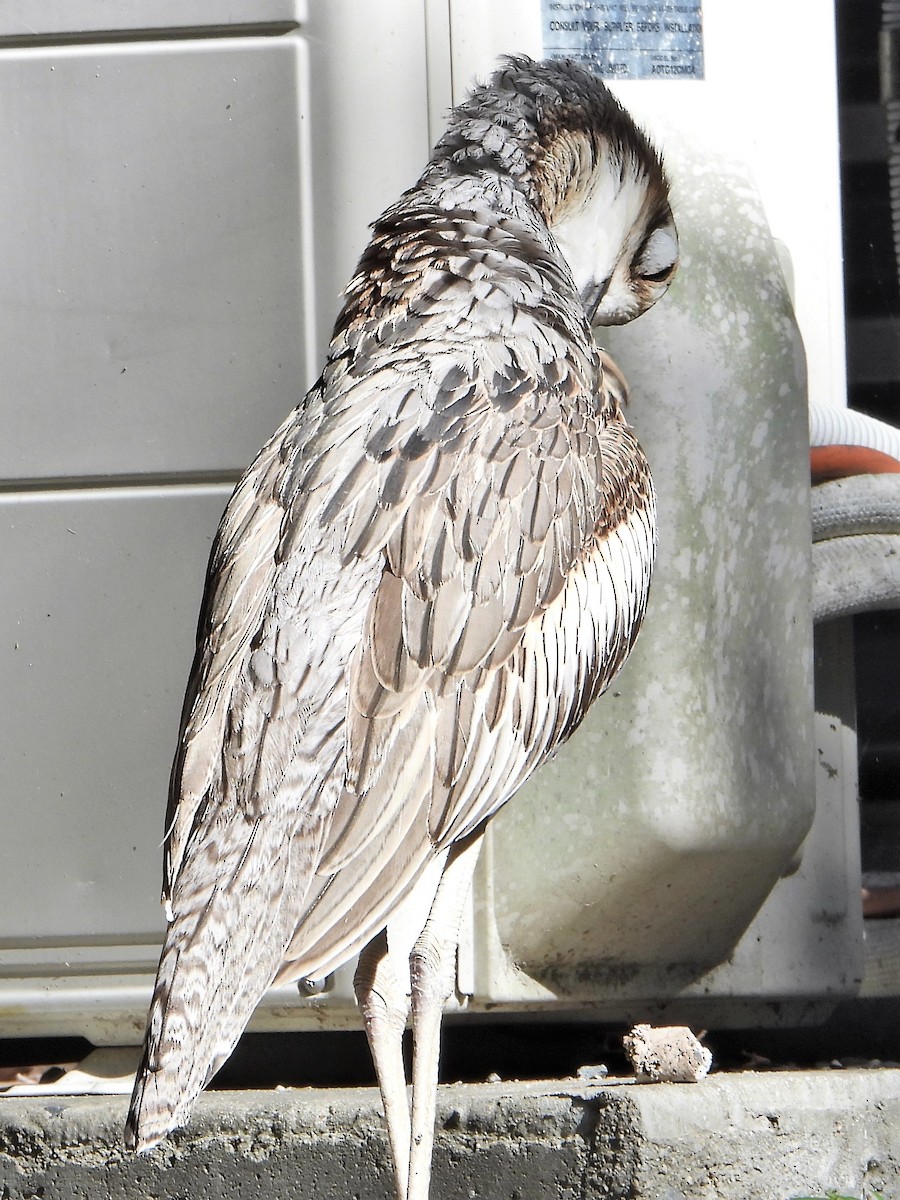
384	1003
432	969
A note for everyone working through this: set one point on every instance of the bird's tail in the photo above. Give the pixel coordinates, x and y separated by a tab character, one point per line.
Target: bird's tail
171	1072
204	996
237	900
222	951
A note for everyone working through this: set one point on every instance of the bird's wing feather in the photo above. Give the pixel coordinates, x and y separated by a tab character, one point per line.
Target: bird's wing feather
259	766
534	702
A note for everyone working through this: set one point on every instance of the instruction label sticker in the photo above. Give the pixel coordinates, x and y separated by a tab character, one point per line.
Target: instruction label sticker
627	39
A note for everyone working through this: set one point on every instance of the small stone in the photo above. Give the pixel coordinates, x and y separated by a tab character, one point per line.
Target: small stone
590	1074
668	1054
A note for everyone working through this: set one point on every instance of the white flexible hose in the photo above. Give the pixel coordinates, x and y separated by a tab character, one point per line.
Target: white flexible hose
858	504
830	425
856	521
855	574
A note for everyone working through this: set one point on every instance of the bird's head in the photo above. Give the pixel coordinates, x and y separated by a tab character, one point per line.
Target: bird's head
596	179
605	197
619	239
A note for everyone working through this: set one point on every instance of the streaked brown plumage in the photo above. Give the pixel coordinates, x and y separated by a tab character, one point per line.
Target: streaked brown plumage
419	587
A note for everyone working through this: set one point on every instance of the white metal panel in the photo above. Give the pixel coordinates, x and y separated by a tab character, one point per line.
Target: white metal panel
99	618
157	283
163	310
633	863
23	20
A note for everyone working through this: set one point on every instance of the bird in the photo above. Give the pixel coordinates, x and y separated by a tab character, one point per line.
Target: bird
416	592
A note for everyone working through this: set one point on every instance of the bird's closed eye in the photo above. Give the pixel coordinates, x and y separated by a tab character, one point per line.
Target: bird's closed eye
658	257
658	276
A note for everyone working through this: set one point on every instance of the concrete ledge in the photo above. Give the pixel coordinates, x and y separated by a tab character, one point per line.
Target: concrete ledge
768	1136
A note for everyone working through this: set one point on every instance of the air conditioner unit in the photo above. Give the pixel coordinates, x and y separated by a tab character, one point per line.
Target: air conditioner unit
183	198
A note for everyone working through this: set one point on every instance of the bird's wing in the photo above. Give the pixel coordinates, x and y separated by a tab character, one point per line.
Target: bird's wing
244	826
234	717
499	726
372	673
480	510
517	547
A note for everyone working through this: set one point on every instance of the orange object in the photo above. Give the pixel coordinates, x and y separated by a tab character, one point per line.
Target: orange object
836	462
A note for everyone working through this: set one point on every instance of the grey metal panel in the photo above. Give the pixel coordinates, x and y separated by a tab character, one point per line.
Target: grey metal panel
147	225
98	623
157	283
46	18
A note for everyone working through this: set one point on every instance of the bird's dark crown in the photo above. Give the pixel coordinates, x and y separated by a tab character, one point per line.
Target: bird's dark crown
546	125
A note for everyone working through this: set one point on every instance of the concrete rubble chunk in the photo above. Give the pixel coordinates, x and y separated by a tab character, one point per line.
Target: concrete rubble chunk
666	1054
